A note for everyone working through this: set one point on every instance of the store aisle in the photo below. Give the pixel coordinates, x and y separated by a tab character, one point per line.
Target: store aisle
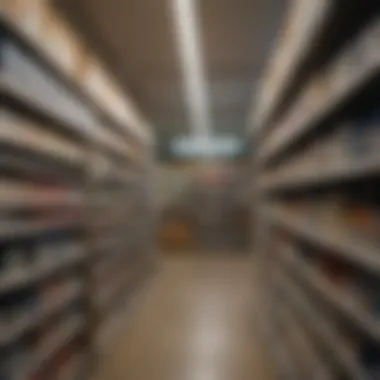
194	322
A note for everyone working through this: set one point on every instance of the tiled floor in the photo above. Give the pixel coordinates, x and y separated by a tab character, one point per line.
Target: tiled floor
194	322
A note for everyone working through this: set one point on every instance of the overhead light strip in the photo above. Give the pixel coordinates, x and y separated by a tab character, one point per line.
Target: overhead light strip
186	27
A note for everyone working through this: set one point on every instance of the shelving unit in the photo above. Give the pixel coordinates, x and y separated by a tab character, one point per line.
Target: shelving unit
71	175
316	187
119	262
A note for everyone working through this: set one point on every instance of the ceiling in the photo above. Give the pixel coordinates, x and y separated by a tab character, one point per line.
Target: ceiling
135	39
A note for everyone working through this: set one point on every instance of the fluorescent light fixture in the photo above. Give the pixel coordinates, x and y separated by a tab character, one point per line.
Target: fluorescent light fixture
186	28
194	146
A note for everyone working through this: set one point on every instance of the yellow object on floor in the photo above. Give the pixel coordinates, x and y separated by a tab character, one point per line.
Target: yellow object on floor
176	235
193	322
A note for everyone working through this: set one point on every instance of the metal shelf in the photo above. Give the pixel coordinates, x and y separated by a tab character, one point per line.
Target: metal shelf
341	243
34	106
17	195
48	146
32	320
295	64
330	83
340	301
11	27
12	282
112	291
325	331
28	229
320	369
284	138
331	174
330	30
278	351
66	333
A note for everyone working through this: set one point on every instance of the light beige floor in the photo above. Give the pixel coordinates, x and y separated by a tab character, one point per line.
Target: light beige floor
194	322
